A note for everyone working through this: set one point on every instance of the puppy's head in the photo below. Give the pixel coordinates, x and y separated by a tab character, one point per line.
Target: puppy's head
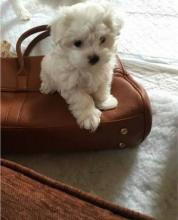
85	33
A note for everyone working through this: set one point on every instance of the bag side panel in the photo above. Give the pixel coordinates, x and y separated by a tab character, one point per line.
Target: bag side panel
108	136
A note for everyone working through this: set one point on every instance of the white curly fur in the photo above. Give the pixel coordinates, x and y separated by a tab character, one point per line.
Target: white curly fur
68	70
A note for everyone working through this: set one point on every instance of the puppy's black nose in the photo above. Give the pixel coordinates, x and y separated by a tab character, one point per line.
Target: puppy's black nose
93	59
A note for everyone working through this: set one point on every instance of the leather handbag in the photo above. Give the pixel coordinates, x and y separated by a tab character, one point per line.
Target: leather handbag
35	122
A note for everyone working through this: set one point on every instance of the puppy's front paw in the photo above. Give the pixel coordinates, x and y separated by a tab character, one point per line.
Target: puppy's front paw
110	103
24	15
91	120
45	88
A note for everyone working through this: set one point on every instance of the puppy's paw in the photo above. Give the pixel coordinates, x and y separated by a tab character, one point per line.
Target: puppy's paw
24	14
91	120
45	89
110	103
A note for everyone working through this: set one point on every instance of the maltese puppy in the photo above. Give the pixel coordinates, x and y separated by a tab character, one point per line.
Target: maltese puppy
80	67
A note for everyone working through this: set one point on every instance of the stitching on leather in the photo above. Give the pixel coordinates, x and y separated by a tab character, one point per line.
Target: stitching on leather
116	121
125	75
8	111
21	108
143	101
139	92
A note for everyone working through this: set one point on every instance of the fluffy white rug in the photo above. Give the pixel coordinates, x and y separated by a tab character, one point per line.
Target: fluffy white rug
144	178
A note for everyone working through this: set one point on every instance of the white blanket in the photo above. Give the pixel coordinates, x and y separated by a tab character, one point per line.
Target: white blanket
144	178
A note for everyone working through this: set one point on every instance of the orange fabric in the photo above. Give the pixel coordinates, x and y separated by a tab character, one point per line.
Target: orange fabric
26	194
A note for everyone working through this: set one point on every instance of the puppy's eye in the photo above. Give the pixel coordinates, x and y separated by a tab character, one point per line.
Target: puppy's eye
102	40
78	43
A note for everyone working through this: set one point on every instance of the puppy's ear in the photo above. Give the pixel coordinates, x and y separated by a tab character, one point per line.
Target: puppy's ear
114	18
118	21
61	24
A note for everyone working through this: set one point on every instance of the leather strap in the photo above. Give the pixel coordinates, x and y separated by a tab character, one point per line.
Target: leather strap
35	41
22	75
22	38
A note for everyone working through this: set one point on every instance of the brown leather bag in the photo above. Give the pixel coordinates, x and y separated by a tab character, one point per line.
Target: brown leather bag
34	122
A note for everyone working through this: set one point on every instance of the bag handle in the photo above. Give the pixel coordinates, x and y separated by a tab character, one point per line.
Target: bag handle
47	33
45	29
35	41
21	75
26	34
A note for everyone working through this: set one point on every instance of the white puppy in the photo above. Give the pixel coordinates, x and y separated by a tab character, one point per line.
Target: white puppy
80	67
